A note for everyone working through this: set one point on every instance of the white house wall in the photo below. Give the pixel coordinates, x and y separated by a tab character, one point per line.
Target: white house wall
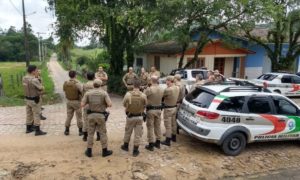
253	72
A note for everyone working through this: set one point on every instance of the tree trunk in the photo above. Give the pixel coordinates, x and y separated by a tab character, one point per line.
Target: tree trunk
184	47
203	40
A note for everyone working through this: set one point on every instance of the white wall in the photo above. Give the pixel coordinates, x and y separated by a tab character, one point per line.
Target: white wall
267	65
253	72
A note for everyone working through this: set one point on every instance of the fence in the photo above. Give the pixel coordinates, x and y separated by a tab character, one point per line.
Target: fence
13	80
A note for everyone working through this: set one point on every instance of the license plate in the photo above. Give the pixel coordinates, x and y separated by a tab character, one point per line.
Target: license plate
187	116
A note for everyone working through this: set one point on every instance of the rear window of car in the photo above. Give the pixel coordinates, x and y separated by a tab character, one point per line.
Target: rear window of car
267	77
203	73
200	98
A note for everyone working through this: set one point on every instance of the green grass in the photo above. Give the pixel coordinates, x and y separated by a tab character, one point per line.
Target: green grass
12	78
13	89
91	53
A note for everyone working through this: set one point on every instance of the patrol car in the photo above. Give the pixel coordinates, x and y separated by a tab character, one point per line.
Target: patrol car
282	83
232	116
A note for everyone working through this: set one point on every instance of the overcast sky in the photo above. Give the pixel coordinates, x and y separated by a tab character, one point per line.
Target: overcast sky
41	21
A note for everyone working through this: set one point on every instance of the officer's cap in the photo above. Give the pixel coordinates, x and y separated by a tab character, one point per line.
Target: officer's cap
177	76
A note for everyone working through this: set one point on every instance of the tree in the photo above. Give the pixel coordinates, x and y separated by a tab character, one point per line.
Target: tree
283	22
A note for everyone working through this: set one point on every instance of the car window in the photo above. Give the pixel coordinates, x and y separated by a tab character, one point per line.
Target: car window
286	79
183	74
296	79
259	106
232	104
194	73
267	77
200	98
284	107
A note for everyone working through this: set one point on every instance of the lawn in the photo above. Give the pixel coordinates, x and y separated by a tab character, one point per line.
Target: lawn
12	73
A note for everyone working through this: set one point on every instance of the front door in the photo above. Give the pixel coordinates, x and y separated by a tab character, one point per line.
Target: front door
219	64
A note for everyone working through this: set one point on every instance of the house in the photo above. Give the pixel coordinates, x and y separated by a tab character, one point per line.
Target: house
243	59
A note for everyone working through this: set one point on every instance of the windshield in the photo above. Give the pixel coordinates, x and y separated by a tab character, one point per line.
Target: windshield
267	77
200	98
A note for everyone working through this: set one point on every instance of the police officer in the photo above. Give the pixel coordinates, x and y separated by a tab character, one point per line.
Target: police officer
102	75
199	82
170	98
154	95
73	92
144	78
154	72
128	79
86	87
134	103
97	100
32	89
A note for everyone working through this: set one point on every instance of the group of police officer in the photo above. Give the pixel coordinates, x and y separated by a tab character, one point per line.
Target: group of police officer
144	101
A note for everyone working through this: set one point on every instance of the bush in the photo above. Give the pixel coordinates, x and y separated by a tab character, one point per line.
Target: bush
82	60
102	59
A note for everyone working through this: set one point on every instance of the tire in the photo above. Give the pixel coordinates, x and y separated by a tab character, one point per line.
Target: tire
277	91
234	144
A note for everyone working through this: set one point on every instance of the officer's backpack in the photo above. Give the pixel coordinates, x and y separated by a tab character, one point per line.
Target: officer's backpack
137	103
71	90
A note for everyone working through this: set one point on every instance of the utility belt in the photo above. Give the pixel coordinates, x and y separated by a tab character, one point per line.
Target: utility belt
150	107
105	113
36	99
169	107
130	115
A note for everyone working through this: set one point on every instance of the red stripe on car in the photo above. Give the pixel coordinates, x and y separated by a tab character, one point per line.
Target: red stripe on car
278	126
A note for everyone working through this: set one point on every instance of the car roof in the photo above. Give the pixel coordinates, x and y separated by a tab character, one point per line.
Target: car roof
237	92
277	73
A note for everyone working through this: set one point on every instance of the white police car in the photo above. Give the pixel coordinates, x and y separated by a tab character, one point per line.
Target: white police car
282	83
232	116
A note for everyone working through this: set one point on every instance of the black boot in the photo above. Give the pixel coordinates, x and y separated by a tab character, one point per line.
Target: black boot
85	134
80	131
67	131
88	152
106	152
125	147
150	147
167	142
136	151
98	136
42	117
157	144
39	132
29	128
173	138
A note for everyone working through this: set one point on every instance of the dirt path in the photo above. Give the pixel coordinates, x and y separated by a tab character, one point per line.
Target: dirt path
55	156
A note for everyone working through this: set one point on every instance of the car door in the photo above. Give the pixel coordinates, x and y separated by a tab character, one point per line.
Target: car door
260	121
287	113
295	85
286	87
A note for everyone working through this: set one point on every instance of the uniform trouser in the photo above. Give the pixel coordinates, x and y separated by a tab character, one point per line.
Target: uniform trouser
74	107
170	121
85	125
134	124
153	125
96	121
104	88
33	111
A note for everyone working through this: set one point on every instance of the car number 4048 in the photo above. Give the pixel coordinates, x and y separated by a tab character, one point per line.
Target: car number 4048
231	119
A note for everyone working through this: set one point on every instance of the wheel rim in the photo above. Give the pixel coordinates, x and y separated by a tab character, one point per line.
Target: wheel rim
235	143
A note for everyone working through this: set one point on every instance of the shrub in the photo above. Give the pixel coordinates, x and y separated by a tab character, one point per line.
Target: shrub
82	60
115	85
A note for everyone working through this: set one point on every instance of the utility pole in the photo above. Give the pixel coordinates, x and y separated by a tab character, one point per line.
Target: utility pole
25	35
40	49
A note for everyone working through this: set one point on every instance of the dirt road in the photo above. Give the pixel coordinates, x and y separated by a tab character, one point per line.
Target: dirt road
55	156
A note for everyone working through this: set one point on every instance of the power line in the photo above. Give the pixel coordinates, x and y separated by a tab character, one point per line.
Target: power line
15	7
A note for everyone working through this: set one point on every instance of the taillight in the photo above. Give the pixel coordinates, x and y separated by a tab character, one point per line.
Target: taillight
208	115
